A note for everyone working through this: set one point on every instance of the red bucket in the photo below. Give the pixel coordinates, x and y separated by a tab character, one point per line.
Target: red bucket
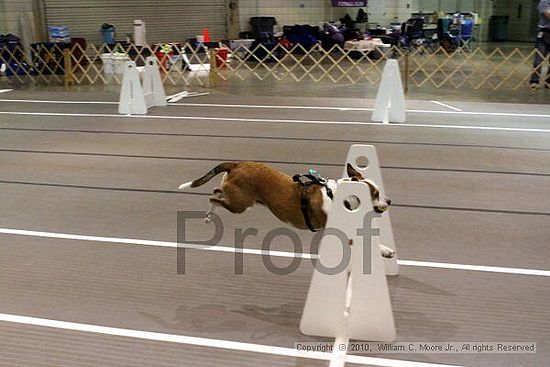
221	57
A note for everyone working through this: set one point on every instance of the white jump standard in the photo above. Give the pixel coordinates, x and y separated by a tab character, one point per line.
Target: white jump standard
364	159
354	303
136	97
390	100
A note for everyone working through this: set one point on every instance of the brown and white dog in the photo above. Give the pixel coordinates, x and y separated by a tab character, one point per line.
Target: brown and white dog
245	184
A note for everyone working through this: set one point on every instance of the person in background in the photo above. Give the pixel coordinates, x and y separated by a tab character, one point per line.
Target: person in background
542	44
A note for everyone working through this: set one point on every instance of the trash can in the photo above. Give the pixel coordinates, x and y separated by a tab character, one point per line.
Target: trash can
139	33
119	61
221	57
108	61
498	28
108	33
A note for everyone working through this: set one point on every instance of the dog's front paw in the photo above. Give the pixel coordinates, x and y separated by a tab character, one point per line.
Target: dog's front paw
387	252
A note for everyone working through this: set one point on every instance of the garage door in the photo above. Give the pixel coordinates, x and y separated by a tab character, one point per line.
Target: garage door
167	20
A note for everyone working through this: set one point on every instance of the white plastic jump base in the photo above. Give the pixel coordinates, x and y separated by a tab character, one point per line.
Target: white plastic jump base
136	97
353	303
390	100
369	315
358	155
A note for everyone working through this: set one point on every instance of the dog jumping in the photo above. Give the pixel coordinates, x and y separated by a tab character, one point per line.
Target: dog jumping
302	201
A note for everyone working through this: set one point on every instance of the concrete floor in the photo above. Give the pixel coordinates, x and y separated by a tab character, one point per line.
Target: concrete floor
470	187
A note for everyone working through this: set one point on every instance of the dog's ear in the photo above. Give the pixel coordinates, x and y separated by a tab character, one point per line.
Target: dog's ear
352	172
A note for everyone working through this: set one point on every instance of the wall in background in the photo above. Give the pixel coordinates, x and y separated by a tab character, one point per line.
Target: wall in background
522	18
173	21
383	12
2	17
520	12
316	12
485	9
447	5
287	12
18	17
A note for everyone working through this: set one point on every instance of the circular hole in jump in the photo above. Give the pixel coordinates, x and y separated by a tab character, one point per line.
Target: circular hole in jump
362	162
352	203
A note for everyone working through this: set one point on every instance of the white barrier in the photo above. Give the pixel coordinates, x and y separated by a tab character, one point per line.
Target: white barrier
390	100
354	302
365	160
136	97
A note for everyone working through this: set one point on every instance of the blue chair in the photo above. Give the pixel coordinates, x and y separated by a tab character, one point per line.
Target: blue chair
466	35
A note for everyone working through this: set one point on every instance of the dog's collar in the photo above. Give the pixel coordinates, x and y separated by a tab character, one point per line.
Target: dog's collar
306	181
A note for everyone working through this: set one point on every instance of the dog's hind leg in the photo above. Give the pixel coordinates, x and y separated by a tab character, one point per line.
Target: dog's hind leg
232	202
218	194
217	201
209	213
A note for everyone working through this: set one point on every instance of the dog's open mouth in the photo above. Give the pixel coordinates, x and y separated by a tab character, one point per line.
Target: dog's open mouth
381	206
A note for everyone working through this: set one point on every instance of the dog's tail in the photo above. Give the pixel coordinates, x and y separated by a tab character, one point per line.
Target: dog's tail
222	167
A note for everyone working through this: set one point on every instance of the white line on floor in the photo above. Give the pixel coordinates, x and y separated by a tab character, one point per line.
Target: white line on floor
5	90
489	269
55	102
228	249
468	113
455	112
238	119
446	105
200	105
206	342
467	127
274	106
134	241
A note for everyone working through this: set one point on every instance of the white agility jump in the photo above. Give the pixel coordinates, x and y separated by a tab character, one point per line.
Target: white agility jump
136	95
390	100
364	159
353	303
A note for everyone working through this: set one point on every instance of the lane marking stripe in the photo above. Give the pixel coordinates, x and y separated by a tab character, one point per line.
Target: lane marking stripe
56	102
190	104
5	90
505	114
134	241
228	249
331	108
489	269
206	342
447	106
455	111
234	119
